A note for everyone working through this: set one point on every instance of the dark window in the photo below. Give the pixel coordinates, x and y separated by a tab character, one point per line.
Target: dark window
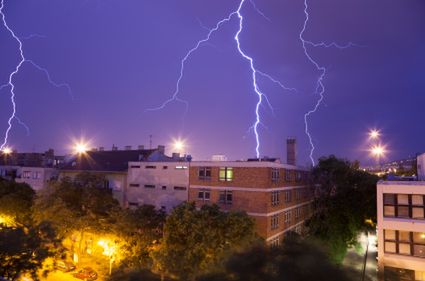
204	173
398	274
275	198
133	204
298	176
149	186
226	174
179	188
275	175
134	185
389	199
274	221
226	197
204	195
150	167
164	187
287	175
165	167
288	196
135	166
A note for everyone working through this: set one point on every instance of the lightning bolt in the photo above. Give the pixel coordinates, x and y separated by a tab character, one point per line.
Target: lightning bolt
320	88
254	71
10	83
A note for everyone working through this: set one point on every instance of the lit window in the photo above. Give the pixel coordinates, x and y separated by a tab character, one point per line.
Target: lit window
181	167
226	174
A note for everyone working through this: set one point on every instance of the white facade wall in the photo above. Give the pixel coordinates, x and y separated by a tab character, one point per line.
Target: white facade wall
409	262
36	177
421	167
161	184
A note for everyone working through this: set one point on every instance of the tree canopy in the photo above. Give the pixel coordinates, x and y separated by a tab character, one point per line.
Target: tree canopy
16	200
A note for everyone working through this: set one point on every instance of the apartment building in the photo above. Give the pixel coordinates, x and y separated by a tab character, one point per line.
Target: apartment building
421	166
276	195
36	177
161	184
401	230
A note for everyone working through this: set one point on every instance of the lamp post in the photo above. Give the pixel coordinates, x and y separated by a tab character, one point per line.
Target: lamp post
108	251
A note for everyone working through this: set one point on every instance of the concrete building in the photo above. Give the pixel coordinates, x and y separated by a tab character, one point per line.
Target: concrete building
401	230
162	184
421	166
276	195
36	177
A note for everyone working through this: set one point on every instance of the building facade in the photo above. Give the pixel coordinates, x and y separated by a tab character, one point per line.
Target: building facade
421	166
36	177
276	195
401	230
161	184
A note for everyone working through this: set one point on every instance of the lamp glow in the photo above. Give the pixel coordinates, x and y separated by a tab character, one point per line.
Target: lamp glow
374	134
6	150
80	148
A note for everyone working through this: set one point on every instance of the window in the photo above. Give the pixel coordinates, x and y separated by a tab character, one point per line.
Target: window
288	217
204	173
275	198
133	204
180	188
297	212
274	221
287	175
135	166
298	194
404	243
149	186
404	206
204	195
288	196
134	185
298	176
274	242
106	184
26	174
181	167
275	175
36	175
150	167
226	174
226	197
165	167
164	187
299	229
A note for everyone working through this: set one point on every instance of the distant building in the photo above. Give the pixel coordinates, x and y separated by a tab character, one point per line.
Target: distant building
401	230
162	184
276	195
113	165
421	166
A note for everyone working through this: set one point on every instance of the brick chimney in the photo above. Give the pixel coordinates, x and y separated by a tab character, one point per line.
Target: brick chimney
291	151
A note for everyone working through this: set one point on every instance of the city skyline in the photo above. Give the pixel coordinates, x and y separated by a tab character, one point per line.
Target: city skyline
119	69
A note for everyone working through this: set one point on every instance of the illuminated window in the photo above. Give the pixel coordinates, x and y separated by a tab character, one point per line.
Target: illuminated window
226	174
181	167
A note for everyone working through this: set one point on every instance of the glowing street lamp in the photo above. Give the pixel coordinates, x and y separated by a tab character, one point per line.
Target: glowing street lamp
80	148
108	251
378	151
179	145
374	134
6	150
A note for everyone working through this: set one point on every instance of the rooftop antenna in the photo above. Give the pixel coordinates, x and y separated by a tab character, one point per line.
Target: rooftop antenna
150	141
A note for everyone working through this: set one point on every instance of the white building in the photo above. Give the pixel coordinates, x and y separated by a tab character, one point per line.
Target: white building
36	177
162	184
421	167
401	230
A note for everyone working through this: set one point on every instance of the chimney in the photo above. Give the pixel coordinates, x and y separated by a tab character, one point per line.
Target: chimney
127	147
291	151
141	147
161	149
114	148
176	156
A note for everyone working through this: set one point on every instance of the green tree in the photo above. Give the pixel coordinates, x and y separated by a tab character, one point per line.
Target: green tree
80	205
345	198
24	249
296	260
195	241
16	200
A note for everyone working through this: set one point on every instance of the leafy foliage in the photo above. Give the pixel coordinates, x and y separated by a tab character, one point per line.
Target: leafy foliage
346	197
296	260
16	200
197	240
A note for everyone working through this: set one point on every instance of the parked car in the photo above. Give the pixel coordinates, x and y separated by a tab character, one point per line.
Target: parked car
86	274
65	266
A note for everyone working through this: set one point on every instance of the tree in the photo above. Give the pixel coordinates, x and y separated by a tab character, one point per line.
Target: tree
23	249
296	260
197	240
16	200
80	205
346	197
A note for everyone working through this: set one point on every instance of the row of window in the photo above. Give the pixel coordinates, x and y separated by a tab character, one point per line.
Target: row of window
29	175
164	187
287	216
404	243
300	193
224	197
276	175
393	273
276	241
404	206
154	167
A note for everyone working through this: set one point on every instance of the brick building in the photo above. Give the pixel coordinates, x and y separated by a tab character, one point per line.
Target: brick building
276	195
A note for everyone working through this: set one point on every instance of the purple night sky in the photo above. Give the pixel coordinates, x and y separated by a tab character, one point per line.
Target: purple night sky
123	57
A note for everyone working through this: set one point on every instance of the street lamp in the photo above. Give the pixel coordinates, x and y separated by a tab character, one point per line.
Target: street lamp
80	148
108	251
374	134
179	145
6	150
378	151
